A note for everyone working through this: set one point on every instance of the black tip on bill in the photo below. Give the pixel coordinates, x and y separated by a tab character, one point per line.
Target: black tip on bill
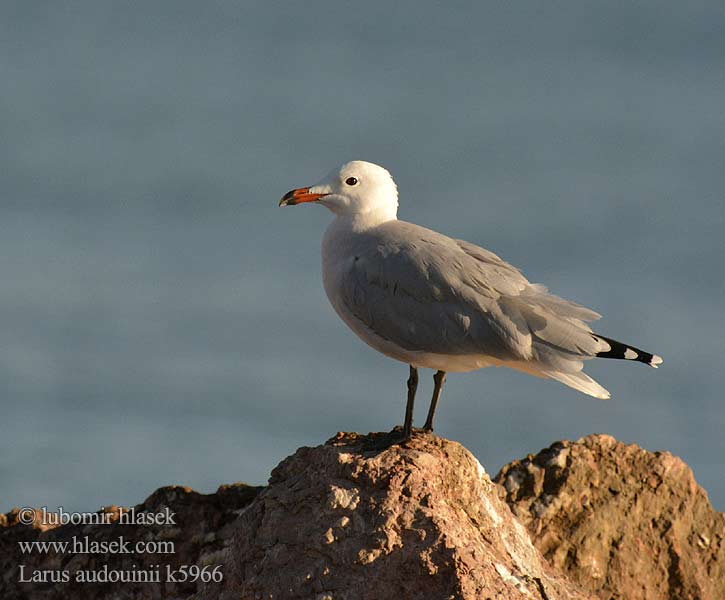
288	198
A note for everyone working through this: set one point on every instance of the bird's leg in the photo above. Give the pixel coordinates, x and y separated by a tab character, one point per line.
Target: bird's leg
439	378
412	387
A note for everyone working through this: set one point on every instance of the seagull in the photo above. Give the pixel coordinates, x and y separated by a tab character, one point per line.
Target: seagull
435	302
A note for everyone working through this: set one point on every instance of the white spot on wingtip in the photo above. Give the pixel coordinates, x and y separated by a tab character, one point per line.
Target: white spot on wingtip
630	354
656	361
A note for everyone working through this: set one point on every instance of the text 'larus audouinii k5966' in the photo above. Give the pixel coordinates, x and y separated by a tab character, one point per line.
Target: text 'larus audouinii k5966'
431	301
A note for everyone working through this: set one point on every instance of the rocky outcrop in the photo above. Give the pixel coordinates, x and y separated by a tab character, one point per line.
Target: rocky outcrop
372	517
359	518
619	520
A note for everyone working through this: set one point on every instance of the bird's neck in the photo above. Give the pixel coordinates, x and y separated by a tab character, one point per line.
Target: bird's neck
365	220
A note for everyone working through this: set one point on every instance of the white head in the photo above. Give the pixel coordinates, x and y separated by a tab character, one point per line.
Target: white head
356	188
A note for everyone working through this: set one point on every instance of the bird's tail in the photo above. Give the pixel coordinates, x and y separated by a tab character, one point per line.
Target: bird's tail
625	352
580	381
557	365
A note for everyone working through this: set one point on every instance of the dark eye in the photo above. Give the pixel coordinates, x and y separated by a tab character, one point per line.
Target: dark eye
351	181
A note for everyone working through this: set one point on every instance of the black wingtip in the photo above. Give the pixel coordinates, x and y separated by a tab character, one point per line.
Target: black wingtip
622	351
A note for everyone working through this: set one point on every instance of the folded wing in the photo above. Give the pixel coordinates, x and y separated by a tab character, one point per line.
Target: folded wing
427	292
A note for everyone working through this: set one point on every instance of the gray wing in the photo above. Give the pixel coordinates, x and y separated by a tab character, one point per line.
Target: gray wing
428	292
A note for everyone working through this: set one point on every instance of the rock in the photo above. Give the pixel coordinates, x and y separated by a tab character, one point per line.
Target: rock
358	518
621	521
195	529
364	517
